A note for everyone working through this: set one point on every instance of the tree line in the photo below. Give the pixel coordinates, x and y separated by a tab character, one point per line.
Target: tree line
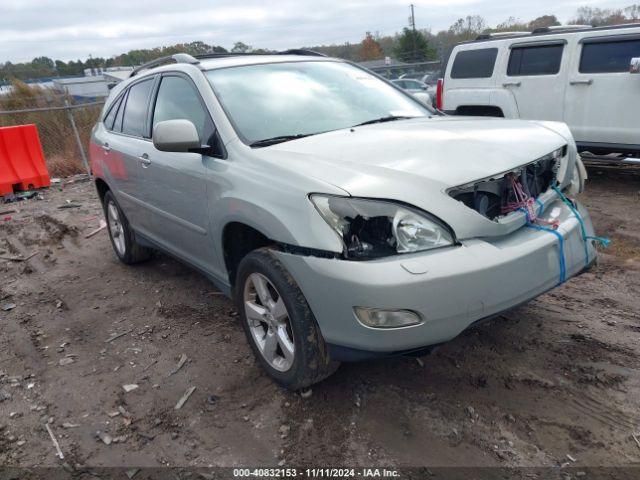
424	45
408	46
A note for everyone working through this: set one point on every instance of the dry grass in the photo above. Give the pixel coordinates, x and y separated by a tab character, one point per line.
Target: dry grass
624	247
64	166
61	151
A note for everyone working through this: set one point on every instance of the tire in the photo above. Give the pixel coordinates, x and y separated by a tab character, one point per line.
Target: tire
308	362
122	238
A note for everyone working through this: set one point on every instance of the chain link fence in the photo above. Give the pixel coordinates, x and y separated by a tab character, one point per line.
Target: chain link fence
64	125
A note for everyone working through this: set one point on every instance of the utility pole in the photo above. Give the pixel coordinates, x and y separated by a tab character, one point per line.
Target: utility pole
412	19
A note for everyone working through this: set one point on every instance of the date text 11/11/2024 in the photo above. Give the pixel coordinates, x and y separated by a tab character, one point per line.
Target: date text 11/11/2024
316	472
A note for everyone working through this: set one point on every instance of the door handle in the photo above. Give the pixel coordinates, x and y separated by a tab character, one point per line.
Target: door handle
106	148
581	82
511	84
144	160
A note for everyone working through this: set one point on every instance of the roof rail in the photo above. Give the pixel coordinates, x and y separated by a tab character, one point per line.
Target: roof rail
618	26
554	30
176	58
293	51
195	59
302	51
560	28
486	36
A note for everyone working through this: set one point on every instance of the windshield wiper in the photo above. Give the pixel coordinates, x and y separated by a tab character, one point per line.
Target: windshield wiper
265	142
388	118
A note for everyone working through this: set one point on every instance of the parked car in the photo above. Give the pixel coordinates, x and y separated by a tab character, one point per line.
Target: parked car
428	78
431	79
345	218
583	76
410	84
423	92
423	97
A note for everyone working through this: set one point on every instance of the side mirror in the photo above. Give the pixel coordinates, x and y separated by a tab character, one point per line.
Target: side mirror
423	87
176	136
634	66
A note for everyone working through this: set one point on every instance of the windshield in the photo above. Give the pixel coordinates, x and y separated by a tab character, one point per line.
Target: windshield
303	98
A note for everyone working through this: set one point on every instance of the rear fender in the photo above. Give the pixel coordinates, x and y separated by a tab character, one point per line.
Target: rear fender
490	97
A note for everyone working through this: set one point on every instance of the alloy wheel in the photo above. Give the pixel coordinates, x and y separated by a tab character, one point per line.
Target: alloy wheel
269	322
115	228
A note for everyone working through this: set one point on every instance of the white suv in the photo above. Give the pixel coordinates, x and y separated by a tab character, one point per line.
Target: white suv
579	75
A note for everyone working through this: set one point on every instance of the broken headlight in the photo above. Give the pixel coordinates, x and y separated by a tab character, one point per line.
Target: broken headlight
376	228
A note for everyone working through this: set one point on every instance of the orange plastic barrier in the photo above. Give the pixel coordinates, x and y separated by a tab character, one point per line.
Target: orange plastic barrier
22	164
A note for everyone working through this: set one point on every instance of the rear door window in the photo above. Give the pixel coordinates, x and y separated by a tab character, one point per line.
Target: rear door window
117	125
474	63
608	56
535	60
136	108
111	116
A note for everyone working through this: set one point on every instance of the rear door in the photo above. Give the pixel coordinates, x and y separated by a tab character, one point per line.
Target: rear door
602	104
470	80
104	160
174	185
535	72
126	144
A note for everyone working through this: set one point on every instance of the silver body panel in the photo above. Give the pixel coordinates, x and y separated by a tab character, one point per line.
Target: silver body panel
450	288
182	202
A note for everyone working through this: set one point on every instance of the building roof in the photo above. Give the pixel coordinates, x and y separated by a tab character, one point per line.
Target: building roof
118	76
79	80
94	86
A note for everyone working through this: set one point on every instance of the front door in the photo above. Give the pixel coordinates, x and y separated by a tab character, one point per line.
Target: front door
602	103
174	185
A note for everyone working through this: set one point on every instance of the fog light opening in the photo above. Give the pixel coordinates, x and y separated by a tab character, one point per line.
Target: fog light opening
382	318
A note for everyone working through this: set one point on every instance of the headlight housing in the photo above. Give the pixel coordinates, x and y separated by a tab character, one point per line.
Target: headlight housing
378	228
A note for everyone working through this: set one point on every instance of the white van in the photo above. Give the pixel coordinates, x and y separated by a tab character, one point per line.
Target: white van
584	76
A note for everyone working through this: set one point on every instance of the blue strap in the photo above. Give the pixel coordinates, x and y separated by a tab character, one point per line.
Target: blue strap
563	267
541	207
526	213
603	241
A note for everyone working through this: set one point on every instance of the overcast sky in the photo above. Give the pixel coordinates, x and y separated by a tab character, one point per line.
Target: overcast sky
72	29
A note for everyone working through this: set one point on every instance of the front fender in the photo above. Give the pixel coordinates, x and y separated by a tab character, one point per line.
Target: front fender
566	171
290	222
276	224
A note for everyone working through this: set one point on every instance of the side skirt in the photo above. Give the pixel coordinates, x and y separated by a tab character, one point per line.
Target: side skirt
221	285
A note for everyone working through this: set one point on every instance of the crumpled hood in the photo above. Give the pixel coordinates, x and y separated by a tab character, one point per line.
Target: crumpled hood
415	161
448	150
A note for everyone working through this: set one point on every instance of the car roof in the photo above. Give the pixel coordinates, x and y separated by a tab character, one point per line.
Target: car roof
546	31
242	60
184	62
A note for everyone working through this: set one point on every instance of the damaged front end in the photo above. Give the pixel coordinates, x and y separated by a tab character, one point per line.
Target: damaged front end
496	196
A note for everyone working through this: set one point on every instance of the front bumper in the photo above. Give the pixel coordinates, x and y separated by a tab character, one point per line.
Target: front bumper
450	288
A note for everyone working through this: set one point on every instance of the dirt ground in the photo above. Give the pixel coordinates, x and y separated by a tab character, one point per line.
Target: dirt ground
553	383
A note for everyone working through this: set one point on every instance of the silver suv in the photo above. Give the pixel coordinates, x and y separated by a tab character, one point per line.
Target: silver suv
346	219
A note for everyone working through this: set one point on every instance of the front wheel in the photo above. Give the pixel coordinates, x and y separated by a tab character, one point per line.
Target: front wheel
279	324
